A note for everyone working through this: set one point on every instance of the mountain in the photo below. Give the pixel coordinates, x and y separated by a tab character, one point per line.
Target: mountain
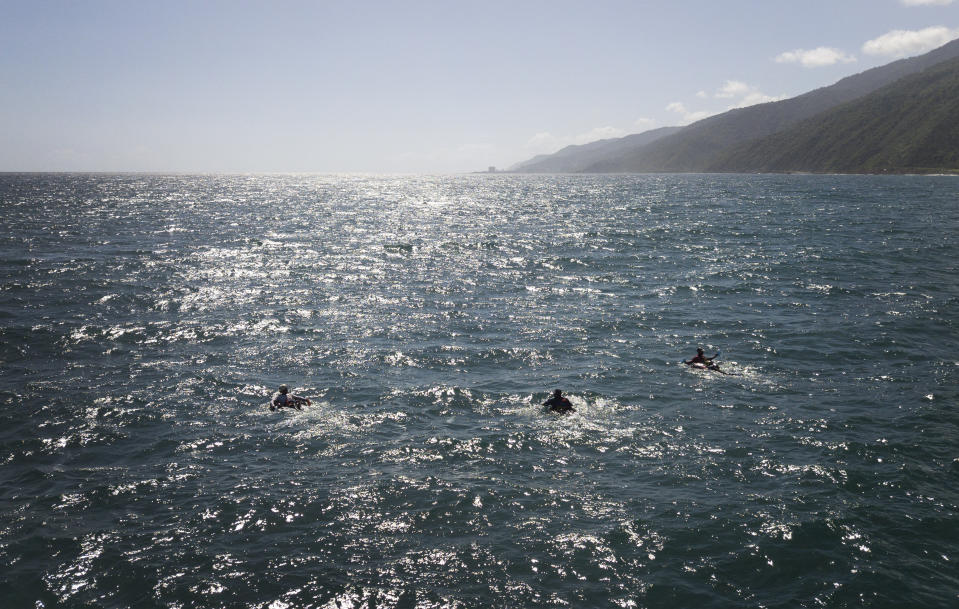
699	146
911	125
571	158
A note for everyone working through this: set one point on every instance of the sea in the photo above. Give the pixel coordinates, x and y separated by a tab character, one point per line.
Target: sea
147	320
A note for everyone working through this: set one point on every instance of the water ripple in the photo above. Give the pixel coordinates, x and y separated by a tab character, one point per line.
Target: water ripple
146	321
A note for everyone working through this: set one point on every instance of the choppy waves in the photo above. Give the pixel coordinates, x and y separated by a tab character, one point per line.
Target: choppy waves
147	319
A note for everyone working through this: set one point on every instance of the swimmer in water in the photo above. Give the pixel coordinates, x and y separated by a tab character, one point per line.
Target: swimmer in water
559	404
284	399
701	361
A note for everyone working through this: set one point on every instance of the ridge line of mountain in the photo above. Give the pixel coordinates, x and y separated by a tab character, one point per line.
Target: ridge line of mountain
699	147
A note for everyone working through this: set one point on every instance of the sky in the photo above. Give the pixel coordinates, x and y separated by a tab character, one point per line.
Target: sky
409	86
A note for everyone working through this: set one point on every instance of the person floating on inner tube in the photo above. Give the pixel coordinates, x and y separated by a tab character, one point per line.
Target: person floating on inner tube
283	398
559	404
701	361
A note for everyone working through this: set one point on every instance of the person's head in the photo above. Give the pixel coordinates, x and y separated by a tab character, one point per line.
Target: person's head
558	393
699	351
284	389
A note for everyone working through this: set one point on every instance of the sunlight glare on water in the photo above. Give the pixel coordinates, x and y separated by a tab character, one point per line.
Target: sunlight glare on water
148	319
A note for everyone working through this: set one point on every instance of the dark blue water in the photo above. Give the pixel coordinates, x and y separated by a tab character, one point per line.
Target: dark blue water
145	321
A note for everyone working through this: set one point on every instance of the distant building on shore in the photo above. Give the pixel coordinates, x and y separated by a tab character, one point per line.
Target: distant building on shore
492	169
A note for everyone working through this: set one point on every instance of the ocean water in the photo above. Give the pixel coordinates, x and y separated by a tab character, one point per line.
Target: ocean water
146	320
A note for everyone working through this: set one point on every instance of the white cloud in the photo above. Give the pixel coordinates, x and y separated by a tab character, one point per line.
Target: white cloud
756	97
739	95
645	123
732	88
744	94
546	142
599	133
903	43
815	58
542	142
927	2
687	115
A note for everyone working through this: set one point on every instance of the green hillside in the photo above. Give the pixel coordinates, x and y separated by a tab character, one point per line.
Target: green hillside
909	126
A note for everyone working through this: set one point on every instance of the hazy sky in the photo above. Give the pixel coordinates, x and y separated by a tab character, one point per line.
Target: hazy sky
408	86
